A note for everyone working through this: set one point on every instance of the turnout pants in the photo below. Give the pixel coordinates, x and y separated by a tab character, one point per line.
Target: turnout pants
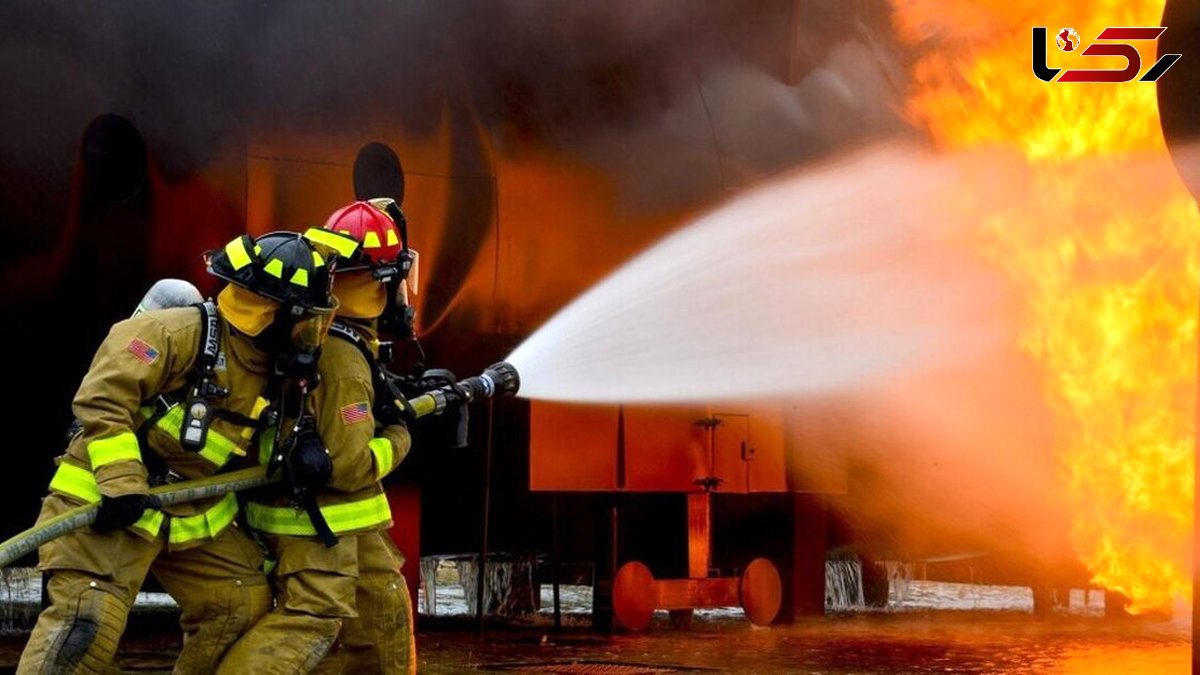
344	609
380	639
94	579
314	595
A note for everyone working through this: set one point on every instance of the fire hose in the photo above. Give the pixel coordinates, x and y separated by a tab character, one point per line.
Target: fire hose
499	379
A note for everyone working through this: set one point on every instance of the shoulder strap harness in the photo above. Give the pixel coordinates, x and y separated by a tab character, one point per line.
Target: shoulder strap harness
198	407
378	376
390	398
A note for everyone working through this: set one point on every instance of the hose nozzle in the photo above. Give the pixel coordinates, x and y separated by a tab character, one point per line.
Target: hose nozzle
498	379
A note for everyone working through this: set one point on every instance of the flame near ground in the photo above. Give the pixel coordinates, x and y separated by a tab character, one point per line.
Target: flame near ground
1103	252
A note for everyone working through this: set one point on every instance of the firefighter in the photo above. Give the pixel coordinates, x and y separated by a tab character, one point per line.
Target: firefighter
354	592
175	394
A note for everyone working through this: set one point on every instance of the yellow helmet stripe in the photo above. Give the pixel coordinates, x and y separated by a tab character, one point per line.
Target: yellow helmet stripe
236	251
318	261
371	240
300	277
392	239
343	245
274	267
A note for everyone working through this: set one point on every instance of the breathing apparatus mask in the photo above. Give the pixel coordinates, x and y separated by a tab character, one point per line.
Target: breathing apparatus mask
295	337
399	278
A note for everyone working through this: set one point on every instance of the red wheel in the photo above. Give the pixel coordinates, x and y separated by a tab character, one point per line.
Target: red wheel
761	590
633	596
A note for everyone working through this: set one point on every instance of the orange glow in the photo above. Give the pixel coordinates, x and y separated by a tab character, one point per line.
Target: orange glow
1101	247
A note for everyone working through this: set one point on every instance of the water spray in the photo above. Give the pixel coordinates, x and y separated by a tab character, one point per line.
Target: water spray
829	279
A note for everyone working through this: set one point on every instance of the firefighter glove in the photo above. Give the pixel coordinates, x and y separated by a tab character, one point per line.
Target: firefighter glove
311	465
118	512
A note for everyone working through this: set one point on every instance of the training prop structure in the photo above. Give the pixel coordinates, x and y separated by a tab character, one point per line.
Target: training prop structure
636	593
698	453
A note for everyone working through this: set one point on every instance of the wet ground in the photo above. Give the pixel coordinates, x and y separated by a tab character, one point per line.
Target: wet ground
913	642
877	643
927	627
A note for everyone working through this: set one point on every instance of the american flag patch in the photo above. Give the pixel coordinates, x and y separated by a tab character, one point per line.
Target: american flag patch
144	352
355	413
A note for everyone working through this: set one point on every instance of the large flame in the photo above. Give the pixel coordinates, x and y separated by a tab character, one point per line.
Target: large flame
1101	245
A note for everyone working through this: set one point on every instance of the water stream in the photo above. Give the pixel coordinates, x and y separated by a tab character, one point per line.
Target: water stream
820	281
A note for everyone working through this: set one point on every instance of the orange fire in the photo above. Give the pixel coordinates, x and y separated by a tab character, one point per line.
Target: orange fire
1100	244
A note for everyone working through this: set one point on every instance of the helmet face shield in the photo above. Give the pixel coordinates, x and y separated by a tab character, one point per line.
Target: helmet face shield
410	266
312	327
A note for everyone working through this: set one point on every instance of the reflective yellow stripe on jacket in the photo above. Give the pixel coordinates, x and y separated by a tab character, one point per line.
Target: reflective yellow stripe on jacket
382	449
123	446
217	449
81	484
266	445
204	525
359	515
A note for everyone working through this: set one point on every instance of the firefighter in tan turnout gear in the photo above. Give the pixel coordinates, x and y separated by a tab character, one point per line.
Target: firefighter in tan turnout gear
344	608
175	394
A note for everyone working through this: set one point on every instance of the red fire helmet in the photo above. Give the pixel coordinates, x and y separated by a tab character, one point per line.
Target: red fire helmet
368	222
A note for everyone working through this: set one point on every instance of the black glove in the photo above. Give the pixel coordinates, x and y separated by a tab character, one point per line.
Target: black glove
387	413
118	512
310	466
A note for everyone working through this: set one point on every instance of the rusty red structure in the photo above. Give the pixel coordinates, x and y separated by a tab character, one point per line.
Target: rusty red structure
695	452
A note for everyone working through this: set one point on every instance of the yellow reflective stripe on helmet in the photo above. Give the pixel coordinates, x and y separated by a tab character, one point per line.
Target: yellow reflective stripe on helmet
217	448
318	261
300	278
382	449
236	251
76	482
274	267
343	244
358	515
150	522
392	239
204	525
119	448
371	240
